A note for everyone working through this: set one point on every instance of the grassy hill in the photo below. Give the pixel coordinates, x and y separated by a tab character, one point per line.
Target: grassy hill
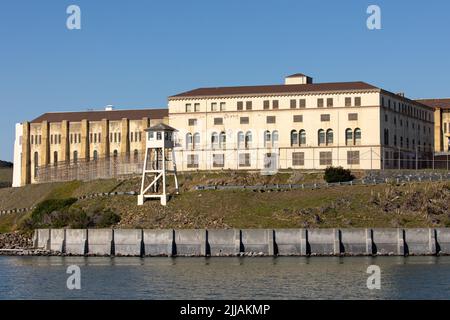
6	173
405	205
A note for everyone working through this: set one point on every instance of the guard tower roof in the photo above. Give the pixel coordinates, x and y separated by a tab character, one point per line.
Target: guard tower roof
161	127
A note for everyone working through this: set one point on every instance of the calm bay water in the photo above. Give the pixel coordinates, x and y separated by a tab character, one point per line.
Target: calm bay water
225	278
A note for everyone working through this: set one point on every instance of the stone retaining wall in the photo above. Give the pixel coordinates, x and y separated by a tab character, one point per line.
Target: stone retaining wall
246	242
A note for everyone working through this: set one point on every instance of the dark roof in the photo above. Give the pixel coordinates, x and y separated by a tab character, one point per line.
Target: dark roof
100	115
161	127
436	103
297	75
276	89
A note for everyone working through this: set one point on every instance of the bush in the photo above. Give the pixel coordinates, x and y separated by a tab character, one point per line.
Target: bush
62	214
337	174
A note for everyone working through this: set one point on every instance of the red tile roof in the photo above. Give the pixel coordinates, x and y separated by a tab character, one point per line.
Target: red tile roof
275	89
436	103
113	115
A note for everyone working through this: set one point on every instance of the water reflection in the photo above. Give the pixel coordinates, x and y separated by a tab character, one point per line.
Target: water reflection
225	278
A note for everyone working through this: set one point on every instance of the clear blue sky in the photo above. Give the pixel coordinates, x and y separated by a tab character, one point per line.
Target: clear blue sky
136	53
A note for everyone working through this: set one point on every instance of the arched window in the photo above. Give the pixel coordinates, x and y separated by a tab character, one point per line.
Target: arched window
115	154
188	141
348	137
214	140
55	158
196	140
357	136
136	156
36	163
302	137
240	140
248	139
95	155
275	138
267	138
294	138
223	140
330	137
75	156
321	137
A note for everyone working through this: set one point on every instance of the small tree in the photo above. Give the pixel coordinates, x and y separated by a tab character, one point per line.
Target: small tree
337	174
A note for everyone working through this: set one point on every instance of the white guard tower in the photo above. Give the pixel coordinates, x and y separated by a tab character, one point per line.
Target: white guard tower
159	153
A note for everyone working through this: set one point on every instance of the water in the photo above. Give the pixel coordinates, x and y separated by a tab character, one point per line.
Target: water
225	278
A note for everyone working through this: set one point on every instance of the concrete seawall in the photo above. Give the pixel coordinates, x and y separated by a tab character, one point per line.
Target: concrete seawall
246	242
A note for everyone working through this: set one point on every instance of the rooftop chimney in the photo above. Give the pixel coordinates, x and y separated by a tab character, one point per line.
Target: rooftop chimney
298	78
109	107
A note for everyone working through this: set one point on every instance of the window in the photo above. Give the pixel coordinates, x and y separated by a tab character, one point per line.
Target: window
240	140
36	163
302	103
222	140
192	122
352	157
275	104
298	118
214	140
294	138
196	107
248	140
267	138
298	159
32	139
348	102
352	116
55	158
244	160
95	138
325	158
218	160
218	121
248	105
266	105
357	136
293	103
213	106
329	137
357	101
189	141
223	106
270	119
348	137
75	156
99	138
115	136
111	137
188	107
329	102
275	139
192	161
324	117
40	139
115	154
240	105
321	137
136	156
302	137
140	136
244	120
196	140
319	103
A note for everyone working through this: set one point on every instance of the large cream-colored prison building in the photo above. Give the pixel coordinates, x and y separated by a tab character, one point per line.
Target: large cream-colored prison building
300	125
296	125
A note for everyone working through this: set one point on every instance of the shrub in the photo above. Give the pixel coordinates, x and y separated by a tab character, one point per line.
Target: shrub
337	174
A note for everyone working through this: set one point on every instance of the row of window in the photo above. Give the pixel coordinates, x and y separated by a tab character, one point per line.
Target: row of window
298	159
401	142
298	138
274	104
273	119
394	121
408	109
